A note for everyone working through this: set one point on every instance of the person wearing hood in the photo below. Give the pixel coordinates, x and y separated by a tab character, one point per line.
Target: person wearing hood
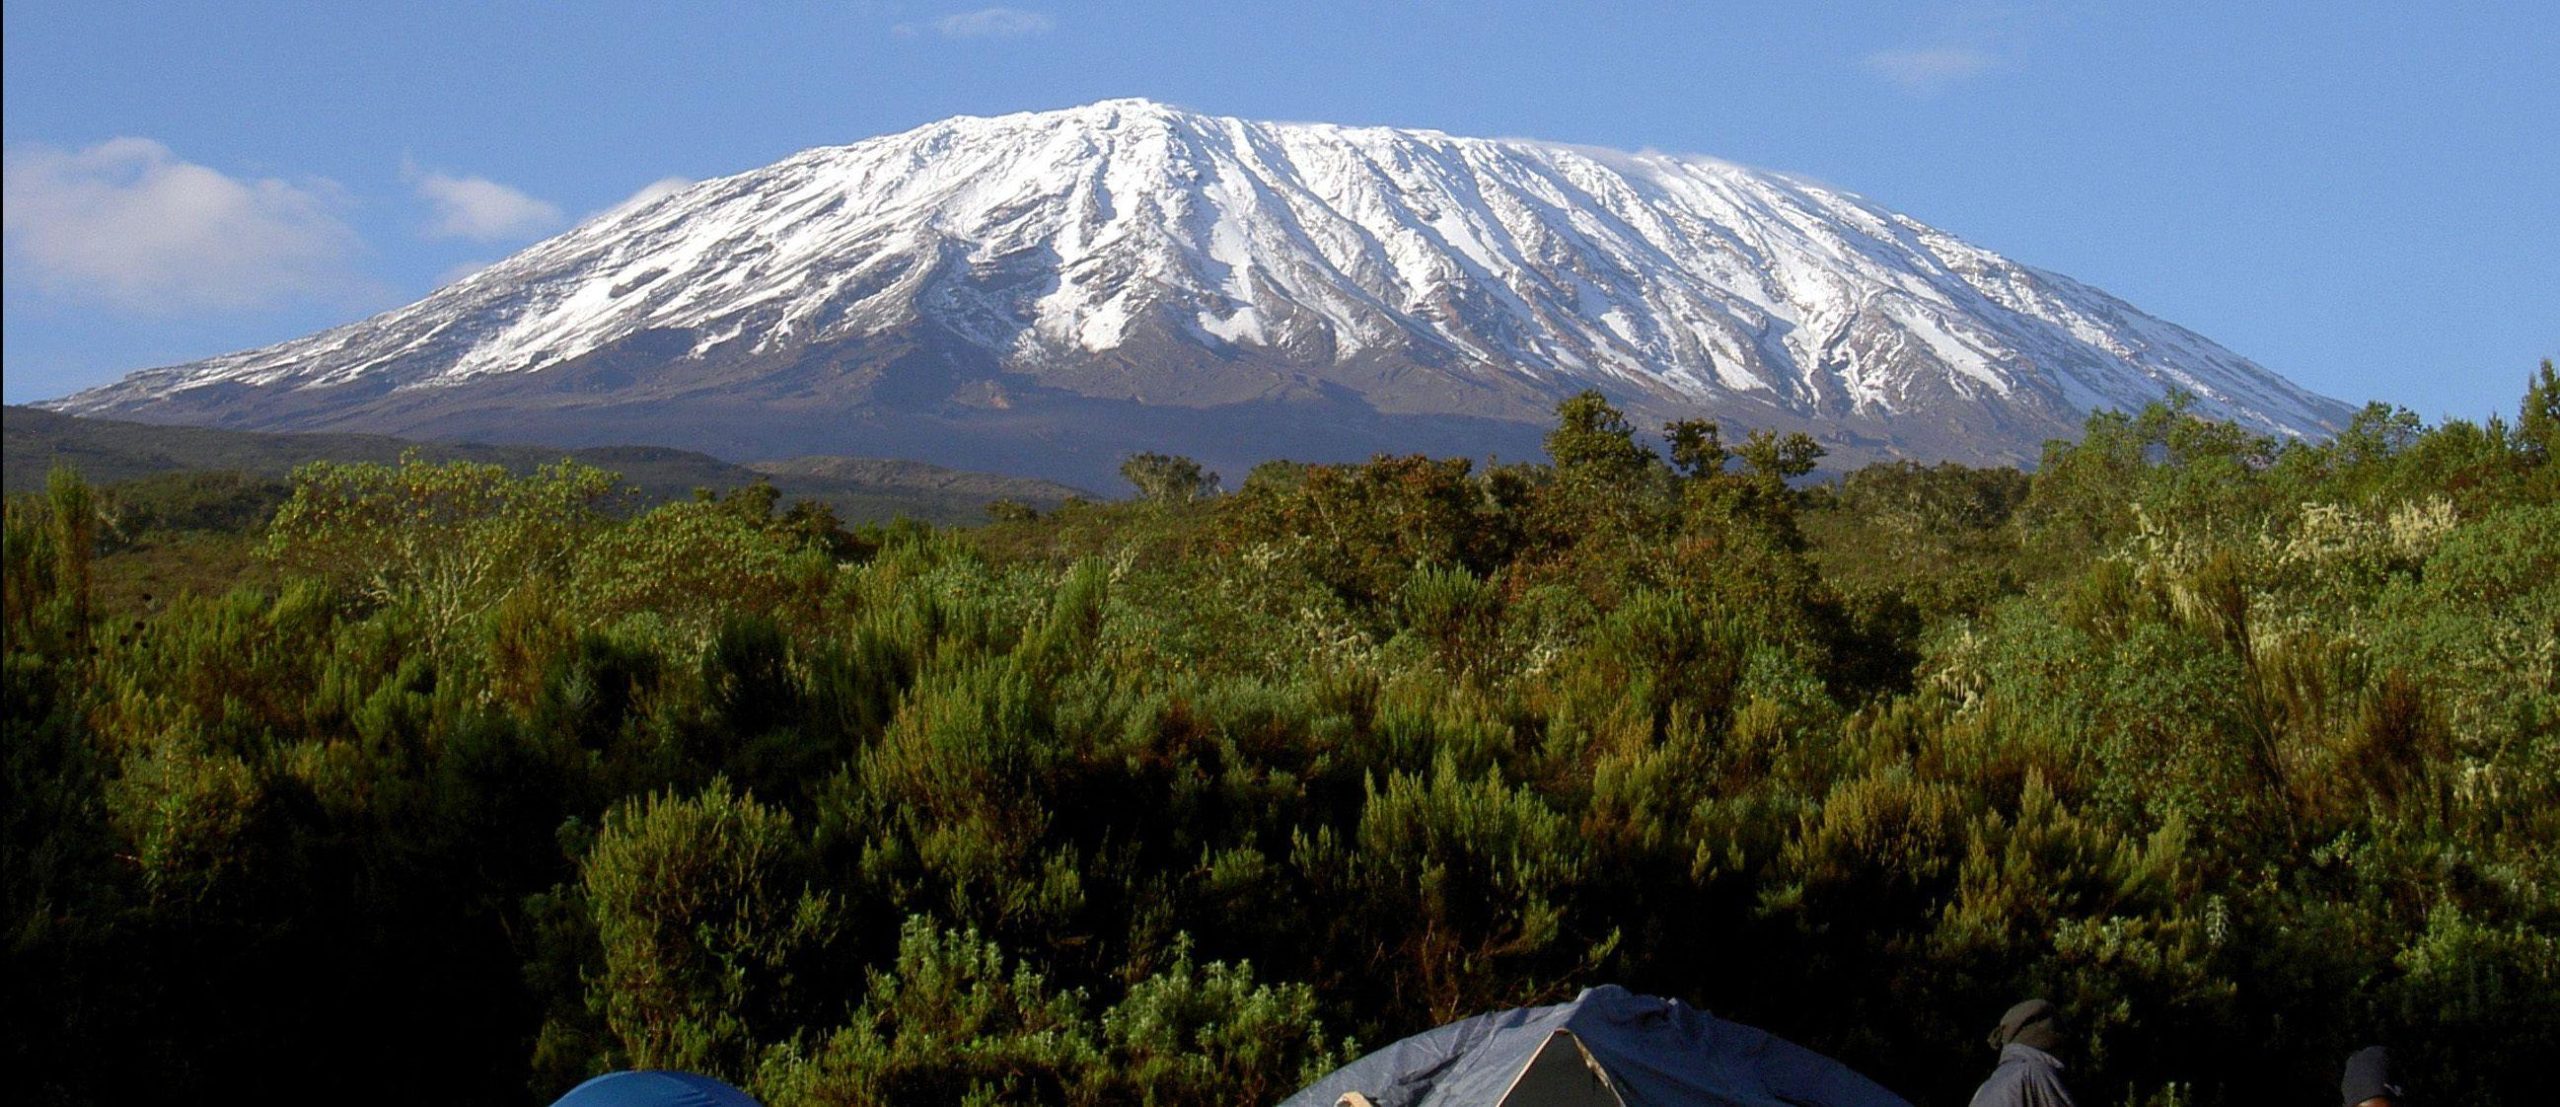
2368	1080
2029	1074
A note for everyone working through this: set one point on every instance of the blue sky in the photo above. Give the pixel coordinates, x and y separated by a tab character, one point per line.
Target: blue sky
2364	197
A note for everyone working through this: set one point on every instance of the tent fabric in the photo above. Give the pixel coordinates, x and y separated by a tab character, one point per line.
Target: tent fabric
1656	1052
654	1088
1563	1074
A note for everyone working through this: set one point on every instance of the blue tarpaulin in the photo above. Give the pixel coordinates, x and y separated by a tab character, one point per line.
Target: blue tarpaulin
1649	1052
654	1088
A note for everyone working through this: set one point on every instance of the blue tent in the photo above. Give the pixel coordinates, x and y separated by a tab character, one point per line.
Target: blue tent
654	1088
1608	1048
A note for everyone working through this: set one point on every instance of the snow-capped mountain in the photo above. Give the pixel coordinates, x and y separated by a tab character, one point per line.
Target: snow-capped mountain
1049	290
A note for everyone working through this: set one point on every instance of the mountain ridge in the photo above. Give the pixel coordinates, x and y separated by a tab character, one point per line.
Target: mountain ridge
1053	289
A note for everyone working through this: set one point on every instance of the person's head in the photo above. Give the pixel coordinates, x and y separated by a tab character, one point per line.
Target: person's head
2036	1023
2368	1081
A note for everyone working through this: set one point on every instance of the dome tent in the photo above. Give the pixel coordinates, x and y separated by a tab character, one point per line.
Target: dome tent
1608	1048
654	1088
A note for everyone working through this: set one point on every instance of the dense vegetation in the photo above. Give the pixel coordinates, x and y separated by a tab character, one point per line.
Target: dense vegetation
2247	752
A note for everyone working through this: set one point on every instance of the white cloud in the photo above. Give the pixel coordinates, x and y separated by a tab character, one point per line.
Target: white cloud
994	23
1927	69
651	193
480	209
455	274
128	223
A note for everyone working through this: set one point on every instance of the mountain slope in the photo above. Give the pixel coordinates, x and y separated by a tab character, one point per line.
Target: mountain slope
1057	288
107	451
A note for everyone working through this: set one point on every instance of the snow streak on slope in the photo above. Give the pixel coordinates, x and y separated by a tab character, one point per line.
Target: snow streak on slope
1045	238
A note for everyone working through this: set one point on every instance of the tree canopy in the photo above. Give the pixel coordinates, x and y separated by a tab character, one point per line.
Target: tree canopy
2245	751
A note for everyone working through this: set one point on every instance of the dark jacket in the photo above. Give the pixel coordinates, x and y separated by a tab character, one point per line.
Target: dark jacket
2027	1077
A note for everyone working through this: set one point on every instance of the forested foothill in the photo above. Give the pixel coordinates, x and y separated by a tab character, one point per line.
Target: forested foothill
448	784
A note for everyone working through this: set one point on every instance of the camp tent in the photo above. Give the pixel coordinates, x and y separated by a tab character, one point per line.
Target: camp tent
1608	1048
654	1088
